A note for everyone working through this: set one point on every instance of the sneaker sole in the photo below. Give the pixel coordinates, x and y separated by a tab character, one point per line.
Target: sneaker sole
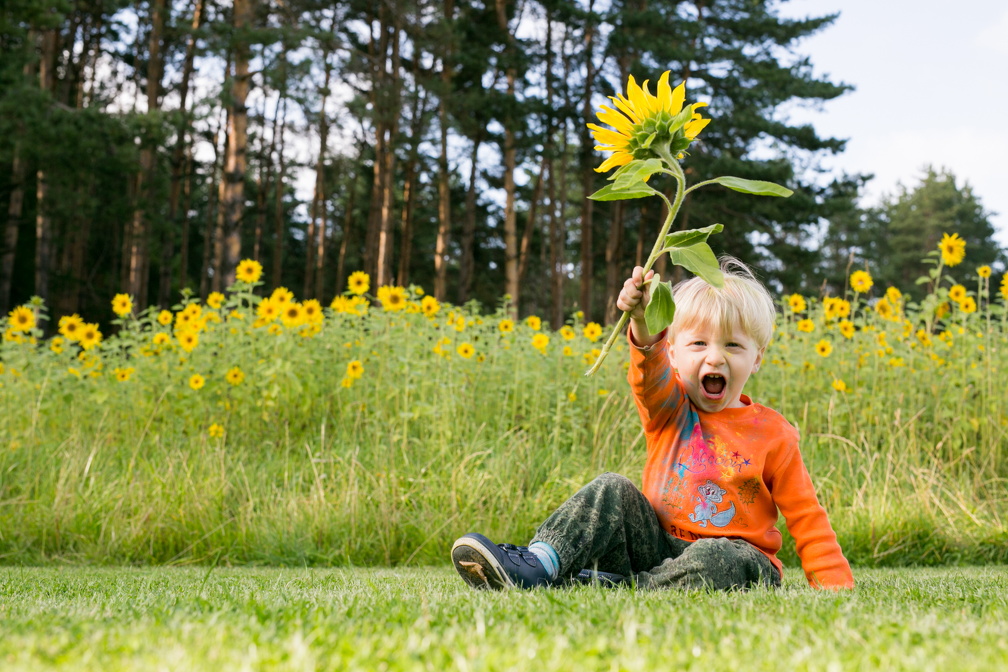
478	567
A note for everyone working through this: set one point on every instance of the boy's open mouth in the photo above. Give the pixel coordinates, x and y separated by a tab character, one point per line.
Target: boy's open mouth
713	385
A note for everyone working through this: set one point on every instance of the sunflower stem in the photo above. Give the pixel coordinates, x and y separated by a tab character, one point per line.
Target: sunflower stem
656	250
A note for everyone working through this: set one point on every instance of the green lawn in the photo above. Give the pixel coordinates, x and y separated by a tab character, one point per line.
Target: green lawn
386	619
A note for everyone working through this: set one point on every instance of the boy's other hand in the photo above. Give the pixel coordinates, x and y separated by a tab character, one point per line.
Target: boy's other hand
635	295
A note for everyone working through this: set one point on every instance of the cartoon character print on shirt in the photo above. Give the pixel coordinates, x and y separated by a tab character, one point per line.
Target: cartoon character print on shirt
695	476
706	511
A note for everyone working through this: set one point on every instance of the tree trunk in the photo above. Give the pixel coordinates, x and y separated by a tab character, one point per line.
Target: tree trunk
511	281
179	163
530	222
345	242
467	258
43	224
278	212
419	113
444	191
587	171
138	252
235	160
315	257
614	252
15	209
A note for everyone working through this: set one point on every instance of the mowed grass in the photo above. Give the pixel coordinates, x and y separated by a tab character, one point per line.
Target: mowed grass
427	619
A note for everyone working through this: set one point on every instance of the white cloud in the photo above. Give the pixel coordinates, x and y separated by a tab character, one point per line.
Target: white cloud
995	35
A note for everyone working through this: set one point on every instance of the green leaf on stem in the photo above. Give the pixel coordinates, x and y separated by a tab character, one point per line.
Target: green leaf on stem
692	236
756	187
636	171
608	193
661	308
698	259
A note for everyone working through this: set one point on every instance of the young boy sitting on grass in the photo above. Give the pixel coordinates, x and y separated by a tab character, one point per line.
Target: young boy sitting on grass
719	467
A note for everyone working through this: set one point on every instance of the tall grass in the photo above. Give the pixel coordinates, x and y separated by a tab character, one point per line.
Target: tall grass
318	467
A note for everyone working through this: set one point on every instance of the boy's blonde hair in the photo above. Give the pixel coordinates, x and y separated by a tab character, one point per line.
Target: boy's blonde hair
742	302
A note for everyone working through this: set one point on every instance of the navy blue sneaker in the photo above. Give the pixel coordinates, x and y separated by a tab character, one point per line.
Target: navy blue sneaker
485	565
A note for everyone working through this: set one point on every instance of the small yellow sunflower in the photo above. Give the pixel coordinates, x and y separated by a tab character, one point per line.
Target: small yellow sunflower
847	329
90	336
354	369
592	331
505	326
196	381
249	271
392	298
957	293
968	305
312	310
984	271
22	319
215	431
567	333
534	322
806	325
292	315
359	282
122	305
540	341
839	385
165	318
188	340
71	326
234	376
465	350
429	306
823	348
861	281
268	310
797	304
215	300
952	248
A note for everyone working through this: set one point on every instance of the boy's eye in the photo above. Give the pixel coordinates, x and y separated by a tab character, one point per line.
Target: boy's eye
699	343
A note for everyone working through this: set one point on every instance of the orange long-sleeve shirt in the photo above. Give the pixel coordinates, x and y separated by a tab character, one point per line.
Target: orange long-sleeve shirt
727	474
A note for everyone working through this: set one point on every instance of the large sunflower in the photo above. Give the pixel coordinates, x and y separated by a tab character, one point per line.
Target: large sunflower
643	123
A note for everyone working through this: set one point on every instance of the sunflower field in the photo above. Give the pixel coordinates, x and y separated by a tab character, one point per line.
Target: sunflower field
250	427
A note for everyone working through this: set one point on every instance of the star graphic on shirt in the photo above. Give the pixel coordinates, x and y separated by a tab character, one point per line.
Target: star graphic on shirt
746	462
736	455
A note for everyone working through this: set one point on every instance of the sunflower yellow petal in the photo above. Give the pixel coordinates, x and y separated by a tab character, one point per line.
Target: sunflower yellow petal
693	128
609	137
664	91
637	98
615	119
678	97
618	159
624	106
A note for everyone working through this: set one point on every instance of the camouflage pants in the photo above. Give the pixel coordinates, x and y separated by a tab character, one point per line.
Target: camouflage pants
610	526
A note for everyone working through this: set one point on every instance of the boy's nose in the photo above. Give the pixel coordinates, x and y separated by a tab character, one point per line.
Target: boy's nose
715	356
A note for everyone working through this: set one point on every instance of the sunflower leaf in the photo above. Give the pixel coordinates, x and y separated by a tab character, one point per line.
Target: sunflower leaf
681	119
609	193
692	236
661	308
755	187
698	259
635	172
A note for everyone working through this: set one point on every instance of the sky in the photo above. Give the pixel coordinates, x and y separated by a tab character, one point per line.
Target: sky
931	87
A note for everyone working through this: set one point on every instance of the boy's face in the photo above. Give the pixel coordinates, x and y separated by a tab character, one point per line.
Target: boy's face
714	366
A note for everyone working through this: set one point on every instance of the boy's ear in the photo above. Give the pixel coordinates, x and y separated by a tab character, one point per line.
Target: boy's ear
759	360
